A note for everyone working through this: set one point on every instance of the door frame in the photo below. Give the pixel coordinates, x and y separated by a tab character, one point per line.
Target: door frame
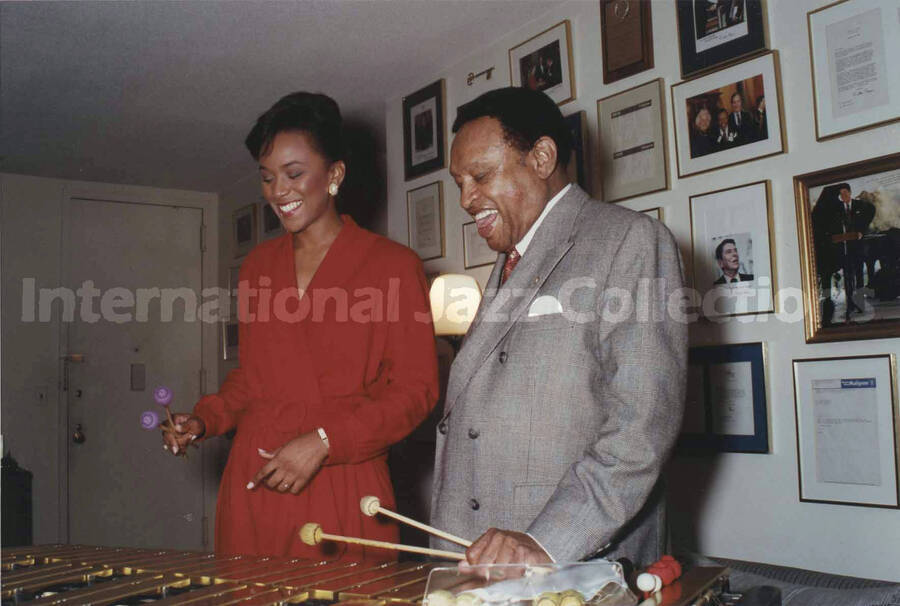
208	203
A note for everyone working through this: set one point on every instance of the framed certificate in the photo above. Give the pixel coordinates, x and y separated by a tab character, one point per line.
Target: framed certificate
847	426
627	38
633	152
476	252
426	220
725	409
855	84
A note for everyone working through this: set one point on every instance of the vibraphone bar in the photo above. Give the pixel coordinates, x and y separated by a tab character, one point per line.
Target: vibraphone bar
79	574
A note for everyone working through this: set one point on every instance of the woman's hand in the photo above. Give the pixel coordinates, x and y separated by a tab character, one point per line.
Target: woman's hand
187	429
292	466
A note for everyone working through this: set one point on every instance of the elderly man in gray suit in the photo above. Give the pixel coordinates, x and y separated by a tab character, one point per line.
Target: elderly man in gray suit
566	397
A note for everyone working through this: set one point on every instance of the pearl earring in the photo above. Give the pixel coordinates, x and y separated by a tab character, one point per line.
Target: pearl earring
333	189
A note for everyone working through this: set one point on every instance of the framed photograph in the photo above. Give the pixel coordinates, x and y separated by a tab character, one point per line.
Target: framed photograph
425	220
725	409
712	33
847	427
656	213
230	334
476	252
854	85
732	250
627	38
544	63
848	219
728	117
423	130
578	160
269	223
243	230
633	152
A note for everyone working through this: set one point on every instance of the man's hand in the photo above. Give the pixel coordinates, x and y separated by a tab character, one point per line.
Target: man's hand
291	467
506	547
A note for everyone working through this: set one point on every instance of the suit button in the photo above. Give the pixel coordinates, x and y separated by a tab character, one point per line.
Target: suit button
442	427
473	433
503	356
473	503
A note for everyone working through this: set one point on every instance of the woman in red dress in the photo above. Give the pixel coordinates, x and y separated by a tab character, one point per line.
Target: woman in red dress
336	350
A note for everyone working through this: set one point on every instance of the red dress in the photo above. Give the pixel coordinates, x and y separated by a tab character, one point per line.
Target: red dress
354	356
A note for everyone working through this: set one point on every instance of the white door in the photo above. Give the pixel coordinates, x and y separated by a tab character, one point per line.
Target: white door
123	488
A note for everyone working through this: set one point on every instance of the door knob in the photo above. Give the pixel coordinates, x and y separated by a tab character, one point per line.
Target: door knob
78	435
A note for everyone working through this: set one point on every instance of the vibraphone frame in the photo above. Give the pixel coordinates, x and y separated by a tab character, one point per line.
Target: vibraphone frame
103	575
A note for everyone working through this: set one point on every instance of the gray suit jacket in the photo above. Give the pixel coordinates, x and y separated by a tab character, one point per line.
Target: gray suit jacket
558	424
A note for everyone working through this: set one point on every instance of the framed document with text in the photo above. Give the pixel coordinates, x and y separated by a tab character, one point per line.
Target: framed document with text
725	409
847	425
633	153
627	38
425	206
854	45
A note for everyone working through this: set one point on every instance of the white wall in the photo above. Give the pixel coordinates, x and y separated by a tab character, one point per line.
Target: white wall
734	505
31	211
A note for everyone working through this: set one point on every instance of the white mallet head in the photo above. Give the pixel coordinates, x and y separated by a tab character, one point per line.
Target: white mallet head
369	505
311	533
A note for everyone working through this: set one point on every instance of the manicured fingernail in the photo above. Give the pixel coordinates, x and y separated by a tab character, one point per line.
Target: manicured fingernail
193	437
175	450
250	485
261	451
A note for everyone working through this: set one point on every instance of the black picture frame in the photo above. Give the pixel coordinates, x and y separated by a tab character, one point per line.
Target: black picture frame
424	139
696	61
708	440
578	160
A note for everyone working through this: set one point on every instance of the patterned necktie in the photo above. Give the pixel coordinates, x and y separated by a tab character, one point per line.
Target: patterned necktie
512	257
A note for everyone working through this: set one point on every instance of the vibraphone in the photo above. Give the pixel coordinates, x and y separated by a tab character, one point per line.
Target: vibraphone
79	574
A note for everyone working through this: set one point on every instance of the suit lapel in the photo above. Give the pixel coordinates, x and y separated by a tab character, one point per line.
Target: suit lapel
500	308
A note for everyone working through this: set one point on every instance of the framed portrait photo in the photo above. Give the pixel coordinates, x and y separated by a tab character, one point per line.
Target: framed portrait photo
425	206
848	219
712	33
269	223
627	38
243	230
544	63
729	116
577	169
847	428
476	252
850	46
633	153
732	250
725	409
424	141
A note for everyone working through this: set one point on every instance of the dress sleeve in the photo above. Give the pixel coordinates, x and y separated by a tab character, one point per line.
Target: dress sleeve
640	380
407	387
220	411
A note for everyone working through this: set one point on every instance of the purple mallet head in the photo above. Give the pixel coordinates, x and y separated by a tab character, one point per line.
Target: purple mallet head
162	395
149	419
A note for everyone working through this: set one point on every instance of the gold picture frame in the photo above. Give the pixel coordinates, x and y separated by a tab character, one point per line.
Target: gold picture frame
425	220
545	62
870	257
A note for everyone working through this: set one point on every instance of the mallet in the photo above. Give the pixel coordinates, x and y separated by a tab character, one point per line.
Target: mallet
371	505
311	534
